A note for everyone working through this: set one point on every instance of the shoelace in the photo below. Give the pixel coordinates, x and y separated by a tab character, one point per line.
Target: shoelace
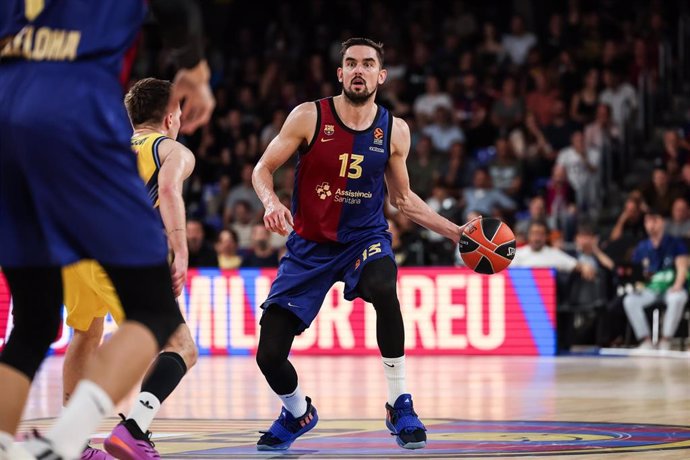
148	434
409	419
292	426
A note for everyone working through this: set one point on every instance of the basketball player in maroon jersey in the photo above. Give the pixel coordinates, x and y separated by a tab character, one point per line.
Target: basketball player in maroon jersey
354	149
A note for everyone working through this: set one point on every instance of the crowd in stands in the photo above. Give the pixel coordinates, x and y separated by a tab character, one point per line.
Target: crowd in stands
518	113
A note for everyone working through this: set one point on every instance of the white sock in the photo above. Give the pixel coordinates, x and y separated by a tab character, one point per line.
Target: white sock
295	402
394	369
86	409
6	441
145	409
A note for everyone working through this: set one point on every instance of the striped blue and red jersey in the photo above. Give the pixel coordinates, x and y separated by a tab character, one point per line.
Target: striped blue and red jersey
339	180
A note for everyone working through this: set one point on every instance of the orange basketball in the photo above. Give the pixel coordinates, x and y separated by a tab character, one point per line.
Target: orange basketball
487	246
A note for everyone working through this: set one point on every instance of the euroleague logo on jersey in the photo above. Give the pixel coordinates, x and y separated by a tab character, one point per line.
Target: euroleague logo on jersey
378	136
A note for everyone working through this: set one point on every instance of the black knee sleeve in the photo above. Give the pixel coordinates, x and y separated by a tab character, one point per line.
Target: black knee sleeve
37	315
147	297
278	327
378	285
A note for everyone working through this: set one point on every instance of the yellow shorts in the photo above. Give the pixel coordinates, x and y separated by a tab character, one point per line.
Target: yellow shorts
89	294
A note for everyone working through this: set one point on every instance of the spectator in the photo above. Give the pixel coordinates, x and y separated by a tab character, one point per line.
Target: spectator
423	168
262	254
602	134
537	254
480	131
410	240
244	191
491	52
201	254
560	203
683	185
506	170
226	249
427	104
518	42
664	261
536	212
467	97
559	132
271	130
400	251
214	197
483	198
537	154
541	100
508	110
584	299
458	169
243	224
660	193
555	39
674	155
628	230
443	132
439	251
679	223
583	105
587	250
581	167
462	21
445	59
392	96
417	71
618	95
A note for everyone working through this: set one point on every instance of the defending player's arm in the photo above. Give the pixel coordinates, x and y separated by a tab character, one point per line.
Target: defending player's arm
298	127
177	165
402	197
181	29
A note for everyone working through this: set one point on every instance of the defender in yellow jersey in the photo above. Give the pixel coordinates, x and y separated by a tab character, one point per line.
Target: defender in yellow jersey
88	292
163	165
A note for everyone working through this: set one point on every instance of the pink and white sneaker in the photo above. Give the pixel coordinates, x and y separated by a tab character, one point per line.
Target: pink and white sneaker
128	442
91	453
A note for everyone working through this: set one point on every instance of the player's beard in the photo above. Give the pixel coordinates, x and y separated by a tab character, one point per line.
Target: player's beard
358	99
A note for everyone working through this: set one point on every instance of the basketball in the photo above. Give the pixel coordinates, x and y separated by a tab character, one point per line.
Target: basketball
487	246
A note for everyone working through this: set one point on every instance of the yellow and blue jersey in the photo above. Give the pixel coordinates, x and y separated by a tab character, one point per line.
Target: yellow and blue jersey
145	147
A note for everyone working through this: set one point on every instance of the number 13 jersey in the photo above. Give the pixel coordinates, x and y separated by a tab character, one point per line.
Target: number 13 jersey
339	180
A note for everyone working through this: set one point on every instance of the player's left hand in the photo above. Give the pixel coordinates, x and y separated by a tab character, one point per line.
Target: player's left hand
192	90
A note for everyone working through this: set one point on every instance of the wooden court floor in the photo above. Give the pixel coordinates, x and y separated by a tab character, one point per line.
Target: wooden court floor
474	407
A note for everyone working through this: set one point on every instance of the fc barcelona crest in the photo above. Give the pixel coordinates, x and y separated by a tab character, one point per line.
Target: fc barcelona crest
328	130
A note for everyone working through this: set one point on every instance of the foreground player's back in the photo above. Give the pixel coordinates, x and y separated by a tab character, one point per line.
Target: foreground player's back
70	30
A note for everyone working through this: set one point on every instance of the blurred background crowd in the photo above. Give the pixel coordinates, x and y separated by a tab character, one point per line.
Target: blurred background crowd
567	119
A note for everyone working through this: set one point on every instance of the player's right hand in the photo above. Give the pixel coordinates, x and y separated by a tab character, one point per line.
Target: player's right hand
192	90
278	219
178	273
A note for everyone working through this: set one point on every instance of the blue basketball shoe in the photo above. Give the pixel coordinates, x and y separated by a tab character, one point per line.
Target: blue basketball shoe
404	424
287	428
